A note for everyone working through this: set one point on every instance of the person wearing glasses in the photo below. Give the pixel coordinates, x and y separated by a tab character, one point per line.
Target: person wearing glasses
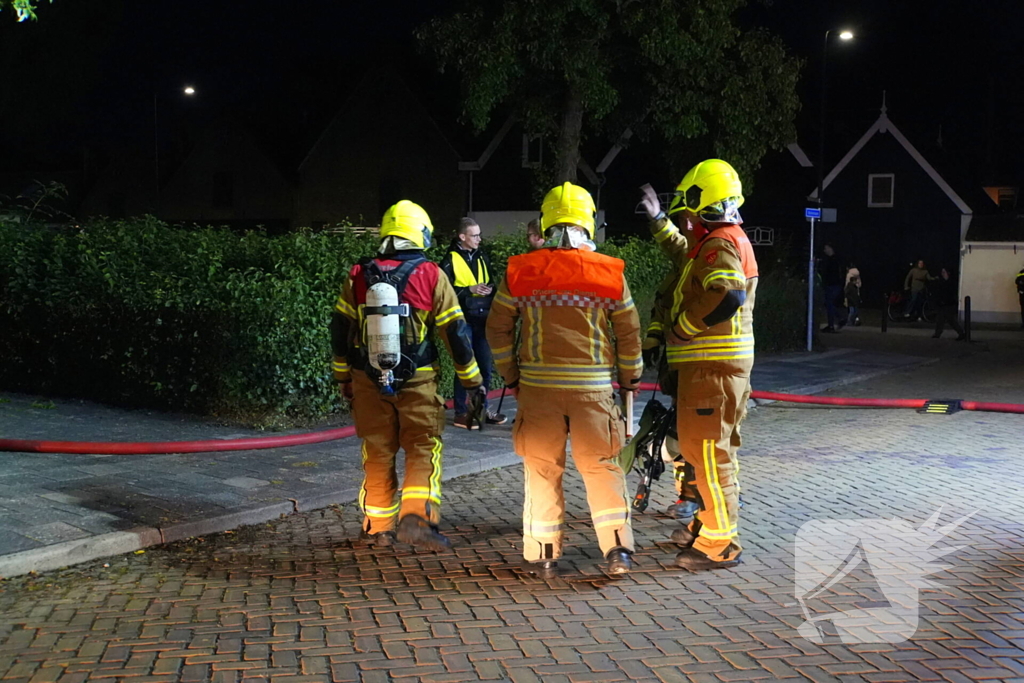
467	267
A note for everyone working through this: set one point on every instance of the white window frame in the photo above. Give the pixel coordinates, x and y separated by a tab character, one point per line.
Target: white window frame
892	190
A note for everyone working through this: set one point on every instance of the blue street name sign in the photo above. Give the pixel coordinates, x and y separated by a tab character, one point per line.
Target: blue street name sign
812	213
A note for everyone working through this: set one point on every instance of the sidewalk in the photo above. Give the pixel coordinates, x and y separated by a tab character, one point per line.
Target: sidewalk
57	510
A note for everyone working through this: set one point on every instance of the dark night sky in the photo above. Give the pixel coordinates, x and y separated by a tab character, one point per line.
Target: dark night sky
85	74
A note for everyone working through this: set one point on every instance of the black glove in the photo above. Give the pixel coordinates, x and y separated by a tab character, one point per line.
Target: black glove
651	356
478	405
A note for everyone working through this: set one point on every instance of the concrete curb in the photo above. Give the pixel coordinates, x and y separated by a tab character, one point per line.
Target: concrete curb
114	543
81	550
213	525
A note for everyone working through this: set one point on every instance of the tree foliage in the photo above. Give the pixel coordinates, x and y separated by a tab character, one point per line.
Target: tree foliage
23	9
681	73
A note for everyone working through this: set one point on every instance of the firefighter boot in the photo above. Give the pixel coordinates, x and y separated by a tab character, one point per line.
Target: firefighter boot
685	536
381	539
415	530
696	561
619	562
684	510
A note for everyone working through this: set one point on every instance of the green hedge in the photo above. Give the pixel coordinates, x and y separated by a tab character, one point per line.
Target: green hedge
209	321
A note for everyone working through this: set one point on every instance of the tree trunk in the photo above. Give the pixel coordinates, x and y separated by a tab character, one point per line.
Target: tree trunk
567	154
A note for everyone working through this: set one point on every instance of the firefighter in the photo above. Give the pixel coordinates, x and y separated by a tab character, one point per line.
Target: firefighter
675	245
710	346
1019	281
382	332
580	330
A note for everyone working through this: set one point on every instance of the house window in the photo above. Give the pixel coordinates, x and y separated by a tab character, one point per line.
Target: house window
880	190
533	151
1007	197
223	191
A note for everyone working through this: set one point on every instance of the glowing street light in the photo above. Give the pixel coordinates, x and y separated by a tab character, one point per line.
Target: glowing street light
846	35
189	90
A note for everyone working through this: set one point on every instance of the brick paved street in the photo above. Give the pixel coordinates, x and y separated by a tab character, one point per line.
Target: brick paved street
298	600
58	509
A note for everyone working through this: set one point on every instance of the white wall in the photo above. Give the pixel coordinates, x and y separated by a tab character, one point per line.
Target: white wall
514	222
987	277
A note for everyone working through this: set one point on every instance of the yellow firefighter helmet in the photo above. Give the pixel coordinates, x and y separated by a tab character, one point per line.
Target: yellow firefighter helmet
712	190
409	220
569	204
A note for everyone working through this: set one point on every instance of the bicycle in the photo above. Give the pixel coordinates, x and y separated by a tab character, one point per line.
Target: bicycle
897	304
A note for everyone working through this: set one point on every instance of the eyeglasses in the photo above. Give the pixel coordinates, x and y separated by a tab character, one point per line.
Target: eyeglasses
472	236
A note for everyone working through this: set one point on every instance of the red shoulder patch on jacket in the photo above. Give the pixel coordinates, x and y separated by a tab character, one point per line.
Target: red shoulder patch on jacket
419	292
711	257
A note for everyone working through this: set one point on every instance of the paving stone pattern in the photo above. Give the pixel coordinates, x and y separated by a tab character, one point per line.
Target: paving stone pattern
300	600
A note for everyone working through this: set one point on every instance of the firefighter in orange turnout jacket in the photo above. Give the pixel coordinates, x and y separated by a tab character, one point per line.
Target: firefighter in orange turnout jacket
382	332
710	346
580	330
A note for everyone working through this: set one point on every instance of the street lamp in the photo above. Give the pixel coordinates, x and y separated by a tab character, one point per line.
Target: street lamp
188	91
844	35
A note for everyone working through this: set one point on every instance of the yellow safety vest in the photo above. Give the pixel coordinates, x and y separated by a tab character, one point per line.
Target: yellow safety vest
464	276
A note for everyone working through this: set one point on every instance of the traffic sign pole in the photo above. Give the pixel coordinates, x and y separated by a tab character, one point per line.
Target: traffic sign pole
812	214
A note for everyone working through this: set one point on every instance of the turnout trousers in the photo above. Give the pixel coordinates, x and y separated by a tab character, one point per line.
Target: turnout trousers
682	471
711	403
595	426
412	419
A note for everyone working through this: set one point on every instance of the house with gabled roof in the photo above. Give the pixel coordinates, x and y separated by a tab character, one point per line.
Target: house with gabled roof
893	208
381	147
227	179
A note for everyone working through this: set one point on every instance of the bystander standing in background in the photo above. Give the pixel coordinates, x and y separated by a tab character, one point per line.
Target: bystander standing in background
470	273
534	239
916	283
947	305
832	279
1020	293
853	300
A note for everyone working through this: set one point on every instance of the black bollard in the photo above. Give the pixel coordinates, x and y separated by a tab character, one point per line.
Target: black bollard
885	313
967	318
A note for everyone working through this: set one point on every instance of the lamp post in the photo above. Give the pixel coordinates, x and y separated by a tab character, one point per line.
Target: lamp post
188	91
843	35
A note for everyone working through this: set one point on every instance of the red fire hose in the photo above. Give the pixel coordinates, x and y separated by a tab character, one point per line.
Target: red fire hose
914	403
158	447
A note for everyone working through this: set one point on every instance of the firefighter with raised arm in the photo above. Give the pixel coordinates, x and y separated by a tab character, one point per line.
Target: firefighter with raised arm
710	347
580	331
675	244
382	331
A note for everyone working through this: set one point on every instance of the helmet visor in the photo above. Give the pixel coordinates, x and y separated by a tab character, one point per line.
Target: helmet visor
725	211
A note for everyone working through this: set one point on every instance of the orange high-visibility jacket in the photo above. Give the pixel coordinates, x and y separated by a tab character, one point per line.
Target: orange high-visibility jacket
580	329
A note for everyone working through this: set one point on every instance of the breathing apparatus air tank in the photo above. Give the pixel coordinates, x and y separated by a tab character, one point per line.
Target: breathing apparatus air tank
383	332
